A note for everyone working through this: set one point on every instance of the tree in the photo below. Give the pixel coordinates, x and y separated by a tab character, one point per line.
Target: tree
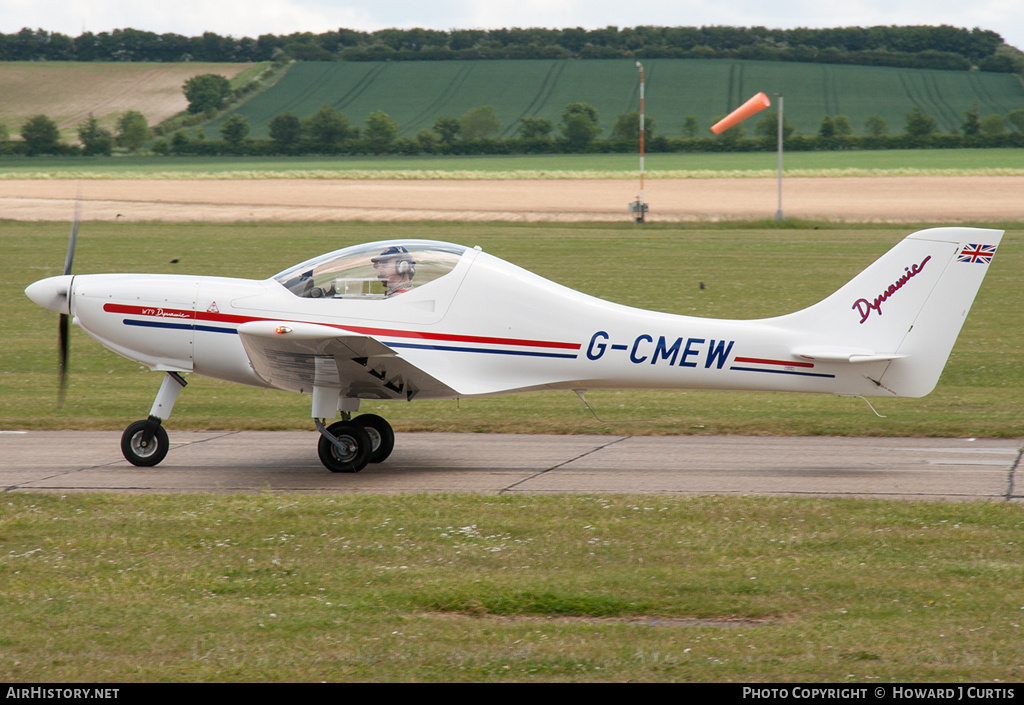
447	129
234	129
992	125
327	129
919	124
531	128
1014	117
41	135
132	130
5	134
381	131
627	127
768	126
479	123
180	143
95	139
579	125
827	128
307	50
691	128
286	129
842	126
972	123
875	125
427	141
206	92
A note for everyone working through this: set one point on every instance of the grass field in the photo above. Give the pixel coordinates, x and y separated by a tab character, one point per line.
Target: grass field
748	272
204	588
843	163
416	94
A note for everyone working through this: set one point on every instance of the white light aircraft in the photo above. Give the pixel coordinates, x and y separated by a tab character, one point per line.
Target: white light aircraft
416	319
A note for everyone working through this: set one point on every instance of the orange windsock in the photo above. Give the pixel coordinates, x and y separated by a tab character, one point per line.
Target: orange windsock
756	104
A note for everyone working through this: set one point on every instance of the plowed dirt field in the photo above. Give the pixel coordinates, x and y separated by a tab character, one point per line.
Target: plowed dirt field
933	199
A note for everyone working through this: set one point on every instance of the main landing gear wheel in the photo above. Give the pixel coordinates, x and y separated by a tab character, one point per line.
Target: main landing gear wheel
352	451
144	443
382	436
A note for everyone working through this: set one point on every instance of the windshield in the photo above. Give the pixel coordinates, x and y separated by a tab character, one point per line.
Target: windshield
374	271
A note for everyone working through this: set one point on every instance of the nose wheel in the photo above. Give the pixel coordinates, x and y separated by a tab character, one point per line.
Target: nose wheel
144	443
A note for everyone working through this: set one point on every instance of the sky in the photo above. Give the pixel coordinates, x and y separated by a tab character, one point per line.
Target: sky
251	18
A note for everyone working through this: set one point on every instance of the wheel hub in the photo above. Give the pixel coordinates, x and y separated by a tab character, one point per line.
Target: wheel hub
141	447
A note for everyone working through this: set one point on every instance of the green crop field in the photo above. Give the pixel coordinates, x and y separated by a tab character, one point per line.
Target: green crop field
416	94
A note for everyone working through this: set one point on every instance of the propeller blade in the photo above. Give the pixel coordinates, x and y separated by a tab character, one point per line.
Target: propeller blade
74	236
63	373
65	319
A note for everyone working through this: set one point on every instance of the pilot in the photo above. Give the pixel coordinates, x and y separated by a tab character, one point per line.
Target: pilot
395	270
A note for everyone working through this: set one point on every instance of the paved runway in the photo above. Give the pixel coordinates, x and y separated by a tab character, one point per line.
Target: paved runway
286	462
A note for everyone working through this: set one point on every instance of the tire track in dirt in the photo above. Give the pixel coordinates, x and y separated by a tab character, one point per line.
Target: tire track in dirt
126	90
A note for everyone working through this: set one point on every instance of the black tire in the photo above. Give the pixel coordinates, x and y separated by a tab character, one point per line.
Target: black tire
382	436
357	448
144	455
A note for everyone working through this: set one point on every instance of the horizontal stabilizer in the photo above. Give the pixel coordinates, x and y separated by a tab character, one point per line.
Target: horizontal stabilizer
853	356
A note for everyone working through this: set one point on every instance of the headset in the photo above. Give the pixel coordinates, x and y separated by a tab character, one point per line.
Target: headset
405	266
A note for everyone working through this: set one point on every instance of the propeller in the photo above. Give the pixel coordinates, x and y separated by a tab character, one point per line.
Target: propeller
65	318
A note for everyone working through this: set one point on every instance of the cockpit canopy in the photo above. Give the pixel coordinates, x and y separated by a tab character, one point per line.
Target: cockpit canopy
350	273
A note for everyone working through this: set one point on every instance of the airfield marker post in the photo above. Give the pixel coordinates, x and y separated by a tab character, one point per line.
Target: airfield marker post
778	213
639	208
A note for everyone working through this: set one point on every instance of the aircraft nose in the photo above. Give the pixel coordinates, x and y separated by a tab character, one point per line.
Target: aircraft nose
52	293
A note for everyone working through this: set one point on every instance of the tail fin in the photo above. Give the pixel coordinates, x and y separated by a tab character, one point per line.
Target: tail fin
906	308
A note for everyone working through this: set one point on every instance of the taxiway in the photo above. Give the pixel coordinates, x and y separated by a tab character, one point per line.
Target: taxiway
286	462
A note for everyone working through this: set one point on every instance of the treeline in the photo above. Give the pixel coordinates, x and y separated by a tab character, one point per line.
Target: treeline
942	47
328	132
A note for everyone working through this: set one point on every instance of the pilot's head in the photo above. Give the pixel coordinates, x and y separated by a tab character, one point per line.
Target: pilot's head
395	268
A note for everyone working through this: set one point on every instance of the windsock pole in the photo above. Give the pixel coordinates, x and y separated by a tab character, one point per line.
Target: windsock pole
778	213
755	105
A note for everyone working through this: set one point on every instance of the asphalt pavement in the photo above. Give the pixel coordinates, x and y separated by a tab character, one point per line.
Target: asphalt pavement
287	462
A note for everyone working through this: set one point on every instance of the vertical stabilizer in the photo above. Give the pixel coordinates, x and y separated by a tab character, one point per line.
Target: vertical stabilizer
907	307
930	339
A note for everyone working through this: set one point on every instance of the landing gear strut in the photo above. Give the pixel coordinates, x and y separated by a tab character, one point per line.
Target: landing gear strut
145	443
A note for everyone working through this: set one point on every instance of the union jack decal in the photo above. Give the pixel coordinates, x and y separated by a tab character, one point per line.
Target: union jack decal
976	253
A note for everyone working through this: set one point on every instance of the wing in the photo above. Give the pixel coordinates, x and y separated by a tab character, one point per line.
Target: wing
298	356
